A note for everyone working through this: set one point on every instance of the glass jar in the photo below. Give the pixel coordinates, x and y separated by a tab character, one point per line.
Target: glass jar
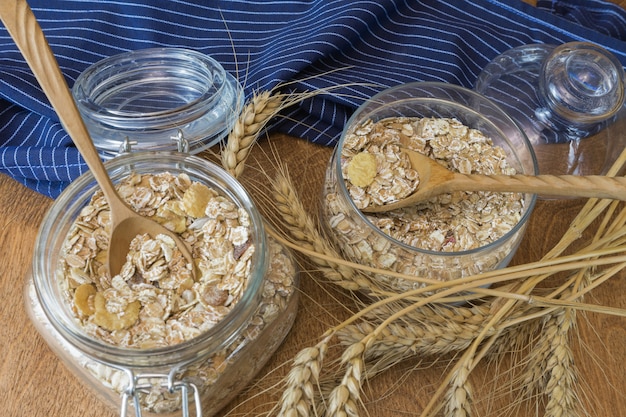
566	98
199	375
356	233
157	99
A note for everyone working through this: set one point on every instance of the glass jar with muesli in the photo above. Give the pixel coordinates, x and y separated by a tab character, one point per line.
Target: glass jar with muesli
450	236
158	338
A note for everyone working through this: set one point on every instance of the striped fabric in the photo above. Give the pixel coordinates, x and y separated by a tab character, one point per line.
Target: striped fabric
305	45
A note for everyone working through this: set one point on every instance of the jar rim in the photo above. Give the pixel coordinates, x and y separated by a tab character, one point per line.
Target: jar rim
135	95
53	233
443	93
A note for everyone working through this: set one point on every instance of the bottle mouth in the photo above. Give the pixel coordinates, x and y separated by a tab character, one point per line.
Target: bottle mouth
149	96
583	82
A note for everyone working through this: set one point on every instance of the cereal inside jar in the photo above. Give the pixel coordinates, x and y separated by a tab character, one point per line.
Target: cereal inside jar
449	236
155	299
157	334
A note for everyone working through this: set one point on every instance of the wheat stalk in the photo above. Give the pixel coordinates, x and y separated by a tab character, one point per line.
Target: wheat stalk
344	398
298	398
252	120
560	386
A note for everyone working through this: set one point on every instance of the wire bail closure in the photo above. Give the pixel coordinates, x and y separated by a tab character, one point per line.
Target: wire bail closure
182	144
137	386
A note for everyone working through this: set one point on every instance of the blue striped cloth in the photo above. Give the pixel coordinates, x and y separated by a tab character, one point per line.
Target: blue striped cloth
308	44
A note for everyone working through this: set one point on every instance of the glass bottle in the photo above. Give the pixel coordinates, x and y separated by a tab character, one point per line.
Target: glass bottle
198	376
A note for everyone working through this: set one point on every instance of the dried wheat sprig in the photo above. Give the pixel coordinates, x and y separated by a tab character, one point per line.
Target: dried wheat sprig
253	118
503	310
303	230
489	324
530	321
554	370
426	331
470	358
534	377
345	397
550	349
374	334
459	395
404	341
298	398
562	397
560	386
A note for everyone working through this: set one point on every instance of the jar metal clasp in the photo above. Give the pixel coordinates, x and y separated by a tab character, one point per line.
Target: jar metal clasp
181	141
182	144
144	382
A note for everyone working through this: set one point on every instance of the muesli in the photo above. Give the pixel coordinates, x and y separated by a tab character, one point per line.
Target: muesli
155	301
377	171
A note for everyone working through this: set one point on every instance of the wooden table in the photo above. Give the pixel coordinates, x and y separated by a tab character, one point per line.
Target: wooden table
34	383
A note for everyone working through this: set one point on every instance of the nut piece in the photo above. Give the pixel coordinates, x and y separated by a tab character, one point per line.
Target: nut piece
111	321
362	169
83	299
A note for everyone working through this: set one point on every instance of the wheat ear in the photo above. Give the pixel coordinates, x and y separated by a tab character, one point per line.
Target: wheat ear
458	397
303	231
298	397
560	387
344	398
252	120
426	331
536	375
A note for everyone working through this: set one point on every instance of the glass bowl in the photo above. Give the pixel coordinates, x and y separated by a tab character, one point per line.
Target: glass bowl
362	237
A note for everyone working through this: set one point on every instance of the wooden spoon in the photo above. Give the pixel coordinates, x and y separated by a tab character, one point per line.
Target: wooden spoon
126	224
436	179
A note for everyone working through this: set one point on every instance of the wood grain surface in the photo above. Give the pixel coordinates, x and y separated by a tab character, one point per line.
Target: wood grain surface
34	383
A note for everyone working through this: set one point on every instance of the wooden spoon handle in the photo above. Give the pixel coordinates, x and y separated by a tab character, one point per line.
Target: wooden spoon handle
23	27
556	185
